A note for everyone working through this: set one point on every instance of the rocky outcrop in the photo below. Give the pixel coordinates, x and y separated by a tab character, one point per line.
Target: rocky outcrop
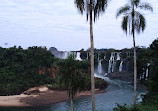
52	72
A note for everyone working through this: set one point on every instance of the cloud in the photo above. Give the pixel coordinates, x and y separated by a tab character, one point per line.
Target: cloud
27	20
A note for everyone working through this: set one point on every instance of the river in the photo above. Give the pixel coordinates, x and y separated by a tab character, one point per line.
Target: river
117	92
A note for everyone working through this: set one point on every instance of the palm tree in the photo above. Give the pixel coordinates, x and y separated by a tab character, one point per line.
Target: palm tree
71	77
133	21
93	9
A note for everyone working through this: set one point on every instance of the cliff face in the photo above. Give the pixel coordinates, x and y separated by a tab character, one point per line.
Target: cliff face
52	72
109	61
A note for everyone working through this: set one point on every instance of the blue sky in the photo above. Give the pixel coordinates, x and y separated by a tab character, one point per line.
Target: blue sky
57	23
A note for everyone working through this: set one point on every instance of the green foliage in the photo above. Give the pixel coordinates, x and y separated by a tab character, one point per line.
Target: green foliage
133	20
101	84
148	107
125	108
143	57
121	108
19	69
152	96
72	75
151	99
97	7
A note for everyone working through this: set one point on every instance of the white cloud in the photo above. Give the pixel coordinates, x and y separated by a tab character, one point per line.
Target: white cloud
57	23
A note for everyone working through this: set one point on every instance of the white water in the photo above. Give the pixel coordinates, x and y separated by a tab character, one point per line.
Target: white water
66	54
118	56
78	56
87	56
111	63
120	67
99	67
147	70
105	56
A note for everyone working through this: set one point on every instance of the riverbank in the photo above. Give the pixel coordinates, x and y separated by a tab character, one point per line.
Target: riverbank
45	98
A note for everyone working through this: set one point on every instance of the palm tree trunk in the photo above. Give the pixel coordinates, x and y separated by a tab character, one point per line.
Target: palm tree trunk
71	103
135	72
135	62
135	68
92	62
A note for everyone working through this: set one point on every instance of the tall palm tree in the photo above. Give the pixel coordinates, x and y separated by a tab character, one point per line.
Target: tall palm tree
93	9
72	78
133	21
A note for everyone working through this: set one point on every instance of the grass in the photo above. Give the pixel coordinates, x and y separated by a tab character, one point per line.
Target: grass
143	107
148	107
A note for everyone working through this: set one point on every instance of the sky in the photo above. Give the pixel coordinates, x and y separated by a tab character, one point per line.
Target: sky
58	23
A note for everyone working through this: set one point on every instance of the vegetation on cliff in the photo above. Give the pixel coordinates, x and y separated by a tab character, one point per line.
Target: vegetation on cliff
21	69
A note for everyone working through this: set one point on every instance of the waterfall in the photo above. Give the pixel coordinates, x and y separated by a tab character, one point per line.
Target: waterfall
128	54
78	56
111	63
99	67
105	56
66	54
87	56
120	67
147	70
109	67
140	78
118	56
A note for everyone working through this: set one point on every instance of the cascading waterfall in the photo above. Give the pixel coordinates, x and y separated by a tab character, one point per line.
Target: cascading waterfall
99	66
109	67
111	63
66	54
128	54
105	56
78	56
147	70
87	56
120	67
118	56
143	74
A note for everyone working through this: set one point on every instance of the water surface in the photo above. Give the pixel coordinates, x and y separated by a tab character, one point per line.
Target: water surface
117	92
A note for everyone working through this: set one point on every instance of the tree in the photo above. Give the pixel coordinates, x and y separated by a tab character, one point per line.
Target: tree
133	21
72	77
93	9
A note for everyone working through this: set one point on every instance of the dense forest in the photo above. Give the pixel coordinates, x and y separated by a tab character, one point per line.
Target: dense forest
21	69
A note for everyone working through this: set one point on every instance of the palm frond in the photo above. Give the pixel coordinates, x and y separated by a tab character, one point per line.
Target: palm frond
136	2
125	23
96	6
146	6
99	7
80	4
123	10
131	15
87	8
140	22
